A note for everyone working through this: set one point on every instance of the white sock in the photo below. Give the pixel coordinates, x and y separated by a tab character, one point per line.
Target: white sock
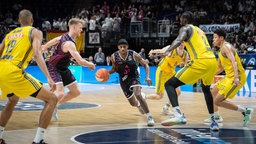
177	111
212	116
148	114
216	113
241	109
1	132
39	134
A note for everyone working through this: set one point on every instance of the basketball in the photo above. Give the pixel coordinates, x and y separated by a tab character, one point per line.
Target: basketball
102	75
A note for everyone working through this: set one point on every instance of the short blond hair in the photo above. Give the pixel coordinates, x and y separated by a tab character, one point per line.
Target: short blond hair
74	21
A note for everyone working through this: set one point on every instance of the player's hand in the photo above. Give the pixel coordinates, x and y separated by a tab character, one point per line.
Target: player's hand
148	80
237	81
51	84
43	48
151	52
91	66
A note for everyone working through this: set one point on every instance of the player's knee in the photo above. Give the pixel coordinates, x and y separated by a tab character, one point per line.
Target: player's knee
12	101
75	93
53	100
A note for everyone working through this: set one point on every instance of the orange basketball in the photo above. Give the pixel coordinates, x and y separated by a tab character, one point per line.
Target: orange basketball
102	75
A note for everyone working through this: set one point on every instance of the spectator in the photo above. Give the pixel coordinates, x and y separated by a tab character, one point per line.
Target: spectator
142	53
99	57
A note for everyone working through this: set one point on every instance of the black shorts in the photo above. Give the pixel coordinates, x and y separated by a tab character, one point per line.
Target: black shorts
128	84
59	76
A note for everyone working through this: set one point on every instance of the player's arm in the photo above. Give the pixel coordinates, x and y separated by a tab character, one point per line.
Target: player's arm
2	47
37	38
71	48
158	51
183	35
145	65
50	43
227	49
186	58
114	67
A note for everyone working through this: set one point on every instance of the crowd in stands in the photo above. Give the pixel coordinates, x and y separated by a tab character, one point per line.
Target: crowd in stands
113	18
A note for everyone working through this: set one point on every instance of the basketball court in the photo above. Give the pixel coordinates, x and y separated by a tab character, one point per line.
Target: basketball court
101	114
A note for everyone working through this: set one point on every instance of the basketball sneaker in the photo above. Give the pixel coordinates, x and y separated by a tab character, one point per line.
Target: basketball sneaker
41	142
2	141
166	110
217	118
247	116
175	121
214	126
55	114
150	121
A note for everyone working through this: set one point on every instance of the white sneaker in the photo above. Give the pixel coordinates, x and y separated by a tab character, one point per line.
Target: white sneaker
178	120
217	118
150	121
166	111
55	114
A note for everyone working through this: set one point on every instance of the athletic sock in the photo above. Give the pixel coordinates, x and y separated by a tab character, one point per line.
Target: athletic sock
39	134
1	132
241	109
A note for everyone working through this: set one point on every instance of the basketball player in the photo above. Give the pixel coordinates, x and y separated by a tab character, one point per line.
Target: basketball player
235	78
125	63
203	65
16	50
60	60
165	70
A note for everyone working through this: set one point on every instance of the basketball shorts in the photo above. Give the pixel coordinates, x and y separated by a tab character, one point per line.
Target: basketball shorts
161	78
227	88
61	76
15	80
204	69
128	84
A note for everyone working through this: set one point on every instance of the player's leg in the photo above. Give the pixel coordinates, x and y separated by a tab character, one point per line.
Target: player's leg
50	103
7	113
74	91
143	104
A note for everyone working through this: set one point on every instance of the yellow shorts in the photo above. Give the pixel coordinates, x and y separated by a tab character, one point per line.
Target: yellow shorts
161	78
227	88
204	69
14	80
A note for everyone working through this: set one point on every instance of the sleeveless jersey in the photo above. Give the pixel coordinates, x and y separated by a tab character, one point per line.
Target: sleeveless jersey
59	59
18	48
169	63
227	64
198	46
126	67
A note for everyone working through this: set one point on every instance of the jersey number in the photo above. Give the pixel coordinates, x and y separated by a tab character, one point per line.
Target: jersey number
10	46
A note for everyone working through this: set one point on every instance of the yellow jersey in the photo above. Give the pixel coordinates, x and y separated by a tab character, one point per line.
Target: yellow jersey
169	63
227	64
197	45
18	47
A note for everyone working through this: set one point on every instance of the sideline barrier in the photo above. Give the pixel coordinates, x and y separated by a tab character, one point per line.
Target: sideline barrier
85	75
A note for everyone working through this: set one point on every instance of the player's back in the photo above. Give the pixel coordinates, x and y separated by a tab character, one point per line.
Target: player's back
18	48
198	46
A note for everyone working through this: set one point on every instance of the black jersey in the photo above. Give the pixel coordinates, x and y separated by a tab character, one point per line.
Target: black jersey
127	67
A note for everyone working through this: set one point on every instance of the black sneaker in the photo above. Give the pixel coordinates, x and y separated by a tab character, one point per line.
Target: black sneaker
41	142
2	141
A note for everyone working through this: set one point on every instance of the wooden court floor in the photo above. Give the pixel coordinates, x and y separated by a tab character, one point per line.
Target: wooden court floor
114	112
